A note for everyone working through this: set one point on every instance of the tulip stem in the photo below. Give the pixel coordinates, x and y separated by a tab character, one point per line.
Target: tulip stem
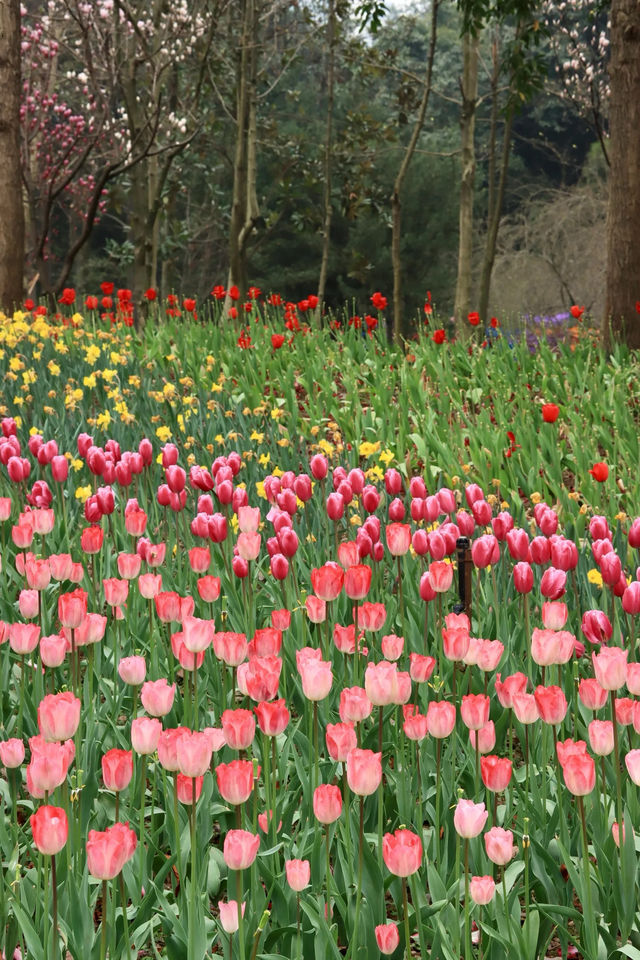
54	889
562	819
426	626
527	636
437	825
587	911
326	835
143	784
123	897
400	594
457	896
477	751
506	903
605	797
616	747
103	932
467	926
194	674
176	821
298	942
194	882
21	711
347	819
525	850
380	788
356	662
315	748
46	908
240	925
274	792
405	912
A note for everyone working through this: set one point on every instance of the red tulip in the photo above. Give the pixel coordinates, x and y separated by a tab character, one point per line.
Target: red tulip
50	829
551	703
235	781
496	773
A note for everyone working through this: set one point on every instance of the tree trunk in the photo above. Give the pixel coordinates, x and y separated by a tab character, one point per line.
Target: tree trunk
399	326
11	208
328	143
493	225
622	319
467	182
237	255
141	237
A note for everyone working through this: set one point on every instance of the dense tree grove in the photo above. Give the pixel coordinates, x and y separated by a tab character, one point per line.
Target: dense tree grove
326	146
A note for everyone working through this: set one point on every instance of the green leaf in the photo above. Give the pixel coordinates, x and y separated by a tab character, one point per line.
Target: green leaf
33	939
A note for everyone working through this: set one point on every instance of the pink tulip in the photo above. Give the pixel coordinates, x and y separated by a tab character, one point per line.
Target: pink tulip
474	710
316	677
145	732
387	937
12	753
402	852
486	737
381	683
469	818
298	874
132	670
58	716
239	728
499	845
482	890
108	851
53	650
592	694
355	705
610	667
327	803
601	737
579	774
441	718
157	697
632	763
240	849
341	739
364	771
193	751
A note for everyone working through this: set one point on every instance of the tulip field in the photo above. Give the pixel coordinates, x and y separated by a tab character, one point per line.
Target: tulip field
313	646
